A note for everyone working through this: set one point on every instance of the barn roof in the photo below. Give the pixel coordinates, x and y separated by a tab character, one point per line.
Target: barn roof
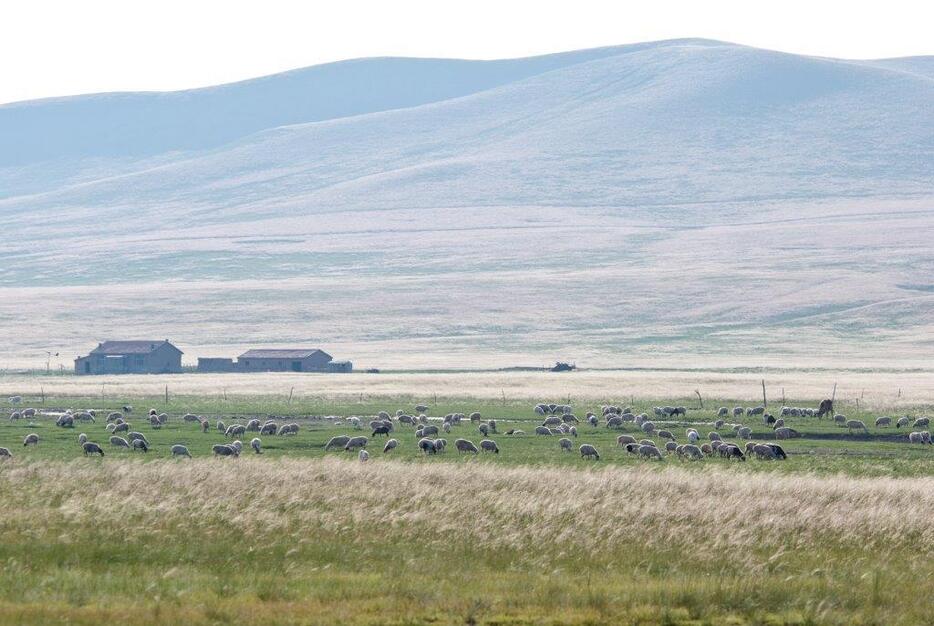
283	353
131	347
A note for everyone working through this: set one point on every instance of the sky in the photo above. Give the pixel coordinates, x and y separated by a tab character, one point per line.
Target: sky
53	48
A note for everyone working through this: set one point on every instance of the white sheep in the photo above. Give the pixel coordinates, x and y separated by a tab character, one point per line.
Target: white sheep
180	450
488	445
257	445
588	451
364	456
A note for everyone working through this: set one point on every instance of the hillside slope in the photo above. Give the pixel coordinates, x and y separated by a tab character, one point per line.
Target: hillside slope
655	200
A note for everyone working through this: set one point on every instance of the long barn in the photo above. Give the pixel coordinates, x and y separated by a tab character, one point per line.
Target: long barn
131	357
289	360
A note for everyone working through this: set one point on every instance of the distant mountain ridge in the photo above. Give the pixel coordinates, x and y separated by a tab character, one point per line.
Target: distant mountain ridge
677	171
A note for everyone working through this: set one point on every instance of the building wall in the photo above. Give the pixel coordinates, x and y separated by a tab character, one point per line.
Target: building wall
314	363
215	364
164	359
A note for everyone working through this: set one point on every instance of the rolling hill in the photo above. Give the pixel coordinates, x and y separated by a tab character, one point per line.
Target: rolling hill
683	201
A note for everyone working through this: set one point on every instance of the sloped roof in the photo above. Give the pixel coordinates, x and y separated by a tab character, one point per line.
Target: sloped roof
131	347
283	353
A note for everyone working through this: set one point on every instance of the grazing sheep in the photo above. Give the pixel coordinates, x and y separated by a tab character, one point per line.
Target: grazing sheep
778	423
738	411
671	446
744	433
714	436
786	433
716	444
665	434
128	409
463	445
614	422
516	432
588	451
552	421
65	421
488	445
852	425
542	430
139	444
764	453
691	451
429	430
778	450
539	410
484	429
593	421
648	427
723	412
624	439
382	429
392	444
15	415
428	446
421	408
221	427
180	450
364	456
707	449
565	444
337	442
355	442
649	452
903	421
31	439
120	442
731	451
826	408
222	449
921	422
718	424
919	437
90	448
188	417
446	427
205	425
883	422
269	428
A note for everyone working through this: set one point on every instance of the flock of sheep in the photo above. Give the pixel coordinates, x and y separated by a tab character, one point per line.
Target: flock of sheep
558	420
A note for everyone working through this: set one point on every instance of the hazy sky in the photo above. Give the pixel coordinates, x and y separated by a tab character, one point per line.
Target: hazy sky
64	47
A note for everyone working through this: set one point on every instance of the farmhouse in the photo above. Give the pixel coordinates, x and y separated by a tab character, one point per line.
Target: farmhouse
289	360
131	357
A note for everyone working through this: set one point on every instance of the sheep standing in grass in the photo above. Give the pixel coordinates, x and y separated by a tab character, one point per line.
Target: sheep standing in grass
714	436
723	412
463	445
32	439
786	433
82	438
902	421
484	429
356	442
337	442
744	433
5	453
180	450
364	456
852	425
90	448
922	422
883	422
120	442
650	452
392	444
488	445
222	449
764	453
622	440
542	430
589	452
140	444
257	445
565	444
919	437
692	452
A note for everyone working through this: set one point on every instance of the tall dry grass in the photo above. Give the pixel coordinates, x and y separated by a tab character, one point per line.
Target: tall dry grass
324	541
586	511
